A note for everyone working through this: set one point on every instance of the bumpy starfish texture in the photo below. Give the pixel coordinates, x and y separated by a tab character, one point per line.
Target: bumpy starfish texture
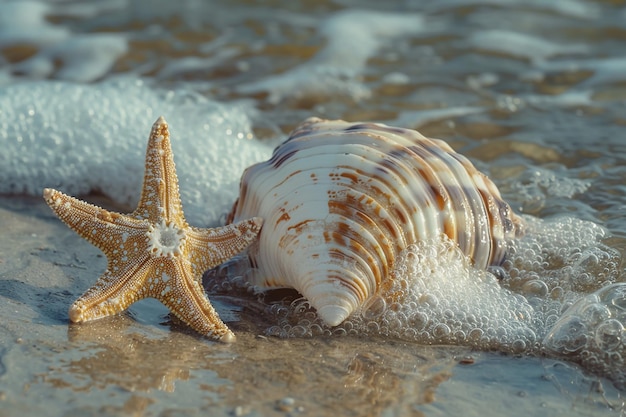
153	252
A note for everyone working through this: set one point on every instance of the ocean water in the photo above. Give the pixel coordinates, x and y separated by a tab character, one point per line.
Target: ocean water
531	91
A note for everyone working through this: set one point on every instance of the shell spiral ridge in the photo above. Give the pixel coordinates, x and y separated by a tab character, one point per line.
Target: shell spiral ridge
341	200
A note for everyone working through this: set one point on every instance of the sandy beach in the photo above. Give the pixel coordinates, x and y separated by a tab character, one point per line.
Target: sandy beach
143	363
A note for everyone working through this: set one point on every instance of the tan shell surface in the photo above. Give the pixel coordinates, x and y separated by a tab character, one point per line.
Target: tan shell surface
340	201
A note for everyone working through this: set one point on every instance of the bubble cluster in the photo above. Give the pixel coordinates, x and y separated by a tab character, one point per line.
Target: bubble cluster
557	293
592	332
82	138
534	186
435	297
560	259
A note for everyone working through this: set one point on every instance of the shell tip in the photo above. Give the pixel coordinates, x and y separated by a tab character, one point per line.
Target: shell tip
333	315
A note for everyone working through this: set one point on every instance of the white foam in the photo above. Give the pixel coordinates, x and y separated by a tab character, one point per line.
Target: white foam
565	254
353	36
436	297
521	45
592	332
25	22
85	58
573	8
80	138
86	10
556	184
190	64
396	78
536	185
417	118
573	98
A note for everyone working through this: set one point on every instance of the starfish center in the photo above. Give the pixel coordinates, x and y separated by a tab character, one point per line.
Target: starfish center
165	239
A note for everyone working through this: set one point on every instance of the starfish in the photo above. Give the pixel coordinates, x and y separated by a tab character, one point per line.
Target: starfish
153	252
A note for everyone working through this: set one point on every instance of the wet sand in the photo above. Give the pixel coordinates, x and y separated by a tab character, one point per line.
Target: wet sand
144	363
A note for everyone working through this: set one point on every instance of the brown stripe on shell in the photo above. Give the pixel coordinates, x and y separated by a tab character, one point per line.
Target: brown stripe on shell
341	200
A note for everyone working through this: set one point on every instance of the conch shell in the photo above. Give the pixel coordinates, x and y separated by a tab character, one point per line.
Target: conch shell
341	200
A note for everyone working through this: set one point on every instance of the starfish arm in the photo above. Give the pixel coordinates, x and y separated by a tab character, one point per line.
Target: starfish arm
186	299
153	252
111	294
160	197
211	247
102	228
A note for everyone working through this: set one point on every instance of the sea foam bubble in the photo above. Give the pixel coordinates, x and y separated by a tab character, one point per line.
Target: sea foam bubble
592	332
535	302
84	138
353	36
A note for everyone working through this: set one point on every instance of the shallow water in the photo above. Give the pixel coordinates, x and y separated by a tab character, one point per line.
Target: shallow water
533	92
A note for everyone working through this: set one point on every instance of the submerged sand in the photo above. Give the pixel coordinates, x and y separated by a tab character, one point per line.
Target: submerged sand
143	363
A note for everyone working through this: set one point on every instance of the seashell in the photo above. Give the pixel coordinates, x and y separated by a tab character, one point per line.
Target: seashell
341	200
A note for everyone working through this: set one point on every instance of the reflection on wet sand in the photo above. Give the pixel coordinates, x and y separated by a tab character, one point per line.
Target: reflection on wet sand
140	363
131	361
366	377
